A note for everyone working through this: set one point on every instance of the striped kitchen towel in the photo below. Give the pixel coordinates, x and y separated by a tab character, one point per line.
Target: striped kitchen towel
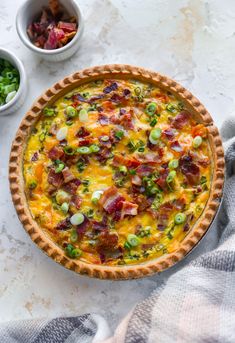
193	301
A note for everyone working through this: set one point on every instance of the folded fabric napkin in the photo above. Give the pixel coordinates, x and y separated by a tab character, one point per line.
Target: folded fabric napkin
194	302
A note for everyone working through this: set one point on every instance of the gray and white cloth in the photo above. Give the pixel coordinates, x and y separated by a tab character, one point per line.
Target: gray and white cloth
193	302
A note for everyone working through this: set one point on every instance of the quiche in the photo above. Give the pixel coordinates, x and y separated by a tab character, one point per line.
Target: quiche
117	172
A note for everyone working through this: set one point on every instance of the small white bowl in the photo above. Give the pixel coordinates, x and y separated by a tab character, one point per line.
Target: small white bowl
14	104
26	14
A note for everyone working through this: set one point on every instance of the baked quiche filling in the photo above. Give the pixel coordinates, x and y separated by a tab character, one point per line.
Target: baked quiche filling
117	172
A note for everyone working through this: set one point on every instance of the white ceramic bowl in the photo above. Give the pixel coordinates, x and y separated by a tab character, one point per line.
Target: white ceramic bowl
18	99
26	14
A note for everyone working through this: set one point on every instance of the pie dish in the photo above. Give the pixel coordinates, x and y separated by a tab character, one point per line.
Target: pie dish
117	172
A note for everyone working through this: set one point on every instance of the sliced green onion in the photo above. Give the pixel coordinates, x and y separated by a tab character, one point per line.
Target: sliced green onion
173	164
69	150
59	168
153	122
94	148
62	133
151	108
64	207
132	171
71	111
171	108
73	236
73	252
77	219
32	184
83	116
197	141
137	91
49	112
104	138
180	218
127	246
84	150
9	88
171	176
119	134
156	133
123	169
96	196
133	240
10	96
62	197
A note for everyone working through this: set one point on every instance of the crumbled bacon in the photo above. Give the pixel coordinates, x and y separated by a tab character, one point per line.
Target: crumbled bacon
181	120
142	202
103	119
110	88
161	181
56	153
106	143
176	146
189	169
76	201
107	241
152	157
111	199
67	27
81	228
128	209
85	141
72	186
179	204
82	132
144	170
35	156
136	180
55	179
101	225
68	175
169	134
63	224
104	154
130	162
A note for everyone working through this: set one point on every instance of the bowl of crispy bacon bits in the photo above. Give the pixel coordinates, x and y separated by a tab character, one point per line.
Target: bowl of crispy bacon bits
51	28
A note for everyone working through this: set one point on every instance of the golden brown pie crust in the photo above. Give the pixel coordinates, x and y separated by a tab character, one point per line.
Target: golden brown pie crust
17	182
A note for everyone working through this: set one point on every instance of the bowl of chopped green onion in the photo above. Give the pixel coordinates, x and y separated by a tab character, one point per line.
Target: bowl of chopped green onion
12	82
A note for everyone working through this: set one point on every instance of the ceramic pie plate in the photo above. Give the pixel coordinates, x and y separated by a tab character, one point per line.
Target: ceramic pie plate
17	186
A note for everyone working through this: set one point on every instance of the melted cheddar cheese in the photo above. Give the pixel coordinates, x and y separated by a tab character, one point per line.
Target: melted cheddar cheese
117	172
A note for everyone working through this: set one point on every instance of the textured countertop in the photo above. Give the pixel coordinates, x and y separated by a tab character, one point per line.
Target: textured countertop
191	41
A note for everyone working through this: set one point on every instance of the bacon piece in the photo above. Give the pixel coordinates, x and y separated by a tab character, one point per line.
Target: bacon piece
76	201
189	169
67	27
131	162
95	98
152	157
103	119
63	224
111	199
101	225
126	121
82	132
116	98
176	146
126	92
161	181
54	6
181	120
136	180
55	179
35	156
169	134
144	170
81	229
107	241
104	154
85	141
128	209
179	204
202	160
52	40
72	186
106	144
110	88
56	153
142	202
67	175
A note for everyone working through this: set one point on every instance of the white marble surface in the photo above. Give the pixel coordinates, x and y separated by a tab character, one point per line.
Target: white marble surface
193	42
